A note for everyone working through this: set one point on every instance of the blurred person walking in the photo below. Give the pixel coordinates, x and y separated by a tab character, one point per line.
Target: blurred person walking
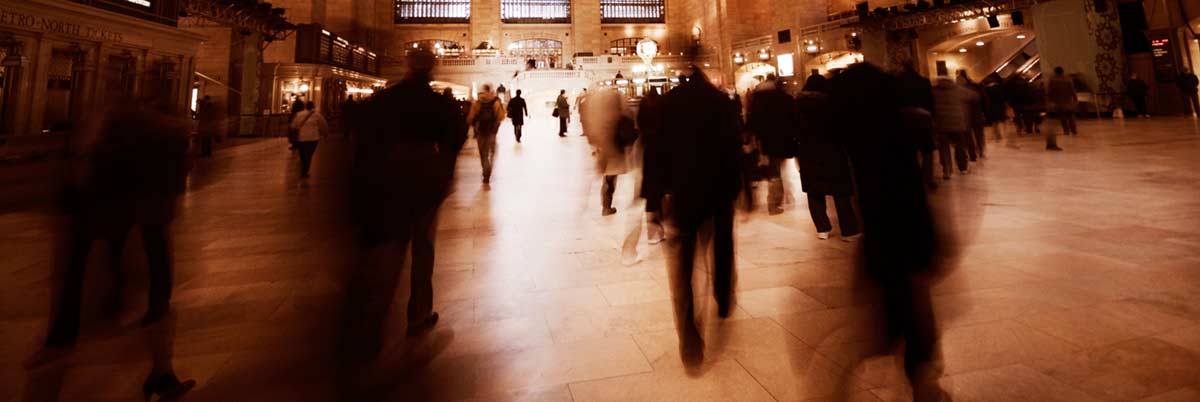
703	181
133	170
296	107
900	249
824	169
1137	90
951	123
916	94
996	112
517	111
1028	101
1060	92
485	117
399	178
208	123
655	156
562	110
976	107
1188	85
611	133
772	119
311	127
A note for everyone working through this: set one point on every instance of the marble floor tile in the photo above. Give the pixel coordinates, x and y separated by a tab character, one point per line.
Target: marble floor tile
723	381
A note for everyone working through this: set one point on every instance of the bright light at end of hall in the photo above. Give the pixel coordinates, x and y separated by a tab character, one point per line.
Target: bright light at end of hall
962	50
979	43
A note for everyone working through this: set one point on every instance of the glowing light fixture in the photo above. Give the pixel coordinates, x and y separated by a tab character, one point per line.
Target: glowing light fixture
979	43
962	50
304	87
1021	36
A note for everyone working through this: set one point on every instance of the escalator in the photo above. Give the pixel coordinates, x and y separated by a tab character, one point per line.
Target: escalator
1025	61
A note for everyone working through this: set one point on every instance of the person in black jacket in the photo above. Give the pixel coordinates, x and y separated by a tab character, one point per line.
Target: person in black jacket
1187	83
996	112
517	111
654	159
400	175
702	183
772	120
824	169
917	93
1137	90
901	247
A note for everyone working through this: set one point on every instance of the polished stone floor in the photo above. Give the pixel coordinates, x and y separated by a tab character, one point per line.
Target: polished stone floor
1079	281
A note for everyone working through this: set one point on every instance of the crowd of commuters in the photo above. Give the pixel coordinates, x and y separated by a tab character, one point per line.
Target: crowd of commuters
698	149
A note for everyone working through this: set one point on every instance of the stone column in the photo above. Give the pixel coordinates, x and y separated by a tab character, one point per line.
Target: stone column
42	52
585	29
83	98
16	107
485	23
889	49
247	50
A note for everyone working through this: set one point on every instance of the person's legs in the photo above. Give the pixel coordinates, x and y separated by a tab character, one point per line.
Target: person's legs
961	150
420	300
967	141
485	142
517	131
724	275
654	228
817	209
1193	102
943	150
158	259
562	125
1071	123
927	165
64	328
980	140
606	193
307	149
1052	140
1139	104
681	259
847	219
775	186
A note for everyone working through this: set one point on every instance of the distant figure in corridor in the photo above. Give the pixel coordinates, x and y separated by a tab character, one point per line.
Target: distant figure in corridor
772	119
133	170
611	131
400	175
1188	84
208	124
976	142
996	110
485	117
901	249
517	111
562	110
824	169
702	184
311	127
1137	90
1060	92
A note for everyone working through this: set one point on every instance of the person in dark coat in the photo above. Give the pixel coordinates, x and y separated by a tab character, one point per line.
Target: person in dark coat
133	171
976	107
900	247
655	154
772	120
562	109
517	111
1188	85
1060	92
400	175
824	169
917	93
208	124
995	114
702	184
1137	90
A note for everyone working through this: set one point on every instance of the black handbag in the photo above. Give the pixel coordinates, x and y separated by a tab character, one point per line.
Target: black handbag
555	112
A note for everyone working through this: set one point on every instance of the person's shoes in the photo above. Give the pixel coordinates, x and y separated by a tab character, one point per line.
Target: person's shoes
823	235
1053	148
654	233
166	386
774	211
691	349
851	238
425	325
562	135
46	355
964	171
608	211
487	179
946	176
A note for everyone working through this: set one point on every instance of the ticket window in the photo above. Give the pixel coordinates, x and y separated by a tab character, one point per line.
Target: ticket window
120	78
60	89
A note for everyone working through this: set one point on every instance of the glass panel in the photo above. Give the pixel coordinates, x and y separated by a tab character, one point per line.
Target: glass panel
535	11
433	11
626	11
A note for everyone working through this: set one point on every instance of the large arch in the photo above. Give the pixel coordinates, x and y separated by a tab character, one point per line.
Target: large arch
750	75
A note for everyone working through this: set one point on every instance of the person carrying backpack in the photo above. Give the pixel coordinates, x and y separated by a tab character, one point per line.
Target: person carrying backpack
485	117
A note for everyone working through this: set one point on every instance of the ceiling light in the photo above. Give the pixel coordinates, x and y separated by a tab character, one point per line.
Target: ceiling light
1021	36
962	50
979	43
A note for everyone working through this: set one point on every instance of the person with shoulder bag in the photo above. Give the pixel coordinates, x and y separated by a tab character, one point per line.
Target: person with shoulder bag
310	128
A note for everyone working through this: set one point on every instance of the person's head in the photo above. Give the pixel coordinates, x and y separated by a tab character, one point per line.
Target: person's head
562	92
420	65
486	88
518	92
310	105
816	83
448	92
771	77
1058	71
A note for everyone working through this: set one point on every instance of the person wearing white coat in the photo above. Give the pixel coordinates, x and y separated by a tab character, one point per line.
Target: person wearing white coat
312	127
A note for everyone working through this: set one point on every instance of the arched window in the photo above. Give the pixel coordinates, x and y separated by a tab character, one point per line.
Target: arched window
535	11
440	47
631	11
433	11
624	46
